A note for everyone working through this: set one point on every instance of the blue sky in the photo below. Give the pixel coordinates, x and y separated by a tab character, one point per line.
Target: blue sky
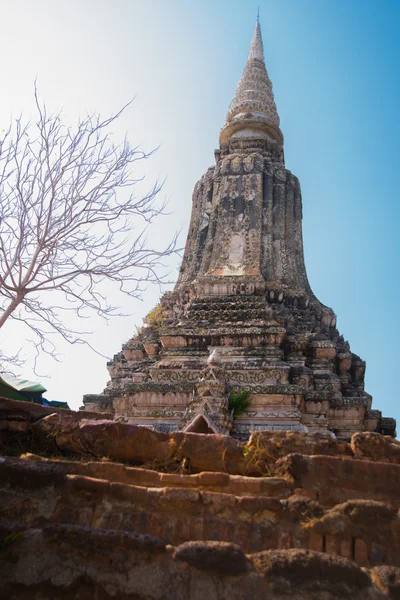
334	68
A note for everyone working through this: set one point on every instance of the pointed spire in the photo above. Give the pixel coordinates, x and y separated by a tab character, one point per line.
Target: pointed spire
256	48
252	112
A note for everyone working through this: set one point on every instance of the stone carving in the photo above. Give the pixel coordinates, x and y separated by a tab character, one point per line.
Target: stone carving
255	377
242	316
160	375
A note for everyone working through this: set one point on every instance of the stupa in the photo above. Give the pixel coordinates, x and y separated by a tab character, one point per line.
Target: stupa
242	343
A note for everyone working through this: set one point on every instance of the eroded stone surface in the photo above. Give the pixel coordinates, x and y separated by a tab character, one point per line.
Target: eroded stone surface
376	447
387	579
103	529
304	568
78	563
221	557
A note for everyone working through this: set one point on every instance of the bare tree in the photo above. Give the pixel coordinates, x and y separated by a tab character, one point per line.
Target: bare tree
69	222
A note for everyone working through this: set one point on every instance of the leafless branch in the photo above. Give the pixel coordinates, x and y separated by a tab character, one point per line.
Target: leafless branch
10	364
70	221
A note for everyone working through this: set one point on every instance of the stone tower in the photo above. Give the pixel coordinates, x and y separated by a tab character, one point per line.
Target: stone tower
242	343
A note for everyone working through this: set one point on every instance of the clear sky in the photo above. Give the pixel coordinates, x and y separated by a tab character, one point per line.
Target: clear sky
334	65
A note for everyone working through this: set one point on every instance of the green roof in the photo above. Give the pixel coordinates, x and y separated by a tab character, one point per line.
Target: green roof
21	385
8	392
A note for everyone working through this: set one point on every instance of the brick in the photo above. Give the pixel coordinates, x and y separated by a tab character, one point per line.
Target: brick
168	479
346	549
177	495
208	478
89	484
263	505
143	477
274	486
316	542
155	494
218	500
331	545
129	493
338	479
172	479
361	552
245	485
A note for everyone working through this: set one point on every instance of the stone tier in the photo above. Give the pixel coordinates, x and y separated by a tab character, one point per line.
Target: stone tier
297	371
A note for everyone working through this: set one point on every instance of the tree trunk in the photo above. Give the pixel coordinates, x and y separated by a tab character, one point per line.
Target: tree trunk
10	309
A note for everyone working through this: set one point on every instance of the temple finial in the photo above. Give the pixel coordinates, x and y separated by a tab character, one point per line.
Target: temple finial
252	112
256	48
258	14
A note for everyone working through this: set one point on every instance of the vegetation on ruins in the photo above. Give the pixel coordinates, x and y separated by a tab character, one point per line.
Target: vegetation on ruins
71	221
155	317
238	402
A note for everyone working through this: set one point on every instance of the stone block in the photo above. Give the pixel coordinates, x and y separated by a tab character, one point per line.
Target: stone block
361	552
218	500
30	475
209	452
220	557
304	568
88	484
376	447
272	445
269	508
129	493
275	486
316	542
168	479
335	480
111	439
346	549
144	477
331	544
245	485
325	353
179	497
212	479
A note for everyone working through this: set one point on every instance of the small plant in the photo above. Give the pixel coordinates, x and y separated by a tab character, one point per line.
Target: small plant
10	539
258	461
238	402
155	317
176	462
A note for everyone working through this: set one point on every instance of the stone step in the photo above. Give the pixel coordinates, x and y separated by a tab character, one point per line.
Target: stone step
238	485
40	494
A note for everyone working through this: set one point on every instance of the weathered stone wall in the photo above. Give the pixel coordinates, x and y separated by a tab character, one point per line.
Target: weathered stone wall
81	564
186	515
246	222
255	513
